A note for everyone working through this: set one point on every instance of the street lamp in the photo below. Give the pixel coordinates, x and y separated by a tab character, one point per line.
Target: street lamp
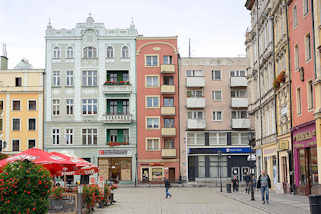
219	167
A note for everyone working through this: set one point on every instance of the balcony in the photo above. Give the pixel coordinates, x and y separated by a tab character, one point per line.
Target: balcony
240	102
238	82
168	110
195	82
117	88
196	124
241	123
168	131
195	102
167	69
168	89
168	153
118	118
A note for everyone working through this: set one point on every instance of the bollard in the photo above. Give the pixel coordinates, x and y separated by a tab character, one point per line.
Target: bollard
228	188
315	204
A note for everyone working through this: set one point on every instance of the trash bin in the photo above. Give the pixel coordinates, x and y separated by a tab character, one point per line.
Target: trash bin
315	204
228	188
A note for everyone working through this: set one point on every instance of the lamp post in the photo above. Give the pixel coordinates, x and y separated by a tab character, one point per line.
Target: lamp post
252	145
219	167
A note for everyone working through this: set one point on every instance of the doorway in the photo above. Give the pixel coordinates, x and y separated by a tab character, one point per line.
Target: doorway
145	175
285	174
171	175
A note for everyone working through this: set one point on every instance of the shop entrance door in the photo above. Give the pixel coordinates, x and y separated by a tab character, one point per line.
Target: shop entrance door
145	175
171	175
285	174
191	168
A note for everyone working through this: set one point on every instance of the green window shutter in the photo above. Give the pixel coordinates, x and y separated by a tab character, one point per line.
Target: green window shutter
108	107
119	76
108	135
120	135
189	93
120	106
108	77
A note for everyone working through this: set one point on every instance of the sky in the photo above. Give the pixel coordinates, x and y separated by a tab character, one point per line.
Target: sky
216	27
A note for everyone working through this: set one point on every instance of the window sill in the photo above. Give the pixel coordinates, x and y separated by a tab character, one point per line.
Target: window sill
93	58
89	86
152	107
69	58
152	128
151	66
67	86
55	86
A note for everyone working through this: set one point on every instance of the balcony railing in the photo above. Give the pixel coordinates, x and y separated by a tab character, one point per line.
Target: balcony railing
168	89
117	143
117	87
167	69
196	124
118	118
168	131
195	102
241	123
195	82
240	102
168	153
168	110
238	82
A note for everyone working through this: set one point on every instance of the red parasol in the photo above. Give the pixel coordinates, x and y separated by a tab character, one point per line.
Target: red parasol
55	164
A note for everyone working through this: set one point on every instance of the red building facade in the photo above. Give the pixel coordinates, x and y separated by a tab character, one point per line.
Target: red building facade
157	109
302	60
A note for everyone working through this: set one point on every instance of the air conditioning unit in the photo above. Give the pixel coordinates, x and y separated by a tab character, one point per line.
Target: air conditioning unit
301	70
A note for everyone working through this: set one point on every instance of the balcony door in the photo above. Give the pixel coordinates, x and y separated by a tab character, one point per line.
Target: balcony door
117	107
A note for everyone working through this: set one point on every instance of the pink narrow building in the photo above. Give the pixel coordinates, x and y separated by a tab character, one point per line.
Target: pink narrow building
157	109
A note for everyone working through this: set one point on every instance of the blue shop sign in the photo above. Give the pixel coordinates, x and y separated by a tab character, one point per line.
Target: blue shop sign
230	150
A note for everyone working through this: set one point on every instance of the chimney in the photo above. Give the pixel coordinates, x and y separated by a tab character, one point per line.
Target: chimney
4	58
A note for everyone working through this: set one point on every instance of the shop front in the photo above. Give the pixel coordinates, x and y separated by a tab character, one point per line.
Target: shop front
116	165
156	172
284	166
305	159
270	164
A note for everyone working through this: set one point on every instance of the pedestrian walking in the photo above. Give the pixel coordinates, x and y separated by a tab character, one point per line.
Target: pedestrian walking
235	182
247	178
252	184
167	186
264	183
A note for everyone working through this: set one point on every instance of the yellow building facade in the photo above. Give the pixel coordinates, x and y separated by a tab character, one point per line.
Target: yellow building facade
21	107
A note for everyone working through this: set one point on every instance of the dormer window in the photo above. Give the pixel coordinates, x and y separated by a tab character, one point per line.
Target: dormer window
125	52
90	52
70	53
56	53
110	52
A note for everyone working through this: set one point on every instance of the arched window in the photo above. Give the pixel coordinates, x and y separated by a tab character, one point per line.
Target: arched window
110	52
125	52
56	53
90	52
70	52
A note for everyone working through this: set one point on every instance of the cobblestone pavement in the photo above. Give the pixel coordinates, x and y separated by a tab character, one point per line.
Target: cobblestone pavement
200	201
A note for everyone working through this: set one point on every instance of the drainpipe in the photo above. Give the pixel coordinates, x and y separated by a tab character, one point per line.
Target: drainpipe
290	153
178	117
313	38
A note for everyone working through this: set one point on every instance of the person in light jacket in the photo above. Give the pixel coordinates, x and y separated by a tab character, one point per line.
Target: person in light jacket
264	183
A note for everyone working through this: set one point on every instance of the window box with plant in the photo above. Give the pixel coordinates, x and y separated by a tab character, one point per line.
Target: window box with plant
279	79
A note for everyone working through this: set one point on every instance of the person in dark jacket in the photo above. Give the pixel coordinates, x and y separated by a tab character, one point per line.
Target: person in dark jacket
235	183
264	183
247	179
167	186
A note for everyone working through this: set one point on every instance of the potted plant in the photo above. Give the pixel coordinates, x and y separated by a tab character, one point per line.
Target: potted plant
279	79
56	202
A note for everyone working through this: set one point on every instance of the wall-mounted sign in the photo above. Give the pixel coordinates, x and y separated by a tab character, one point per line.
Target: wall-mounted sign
283	145
230	150
123	152
305	135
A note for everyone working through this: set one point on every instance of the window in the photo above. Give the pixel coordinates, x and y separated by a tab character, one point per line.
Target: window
244	138
55	136
124	52
239	114
169	143
217	115
18	81
218	166
89	106
90	52
296	57
153	123
89	136
237	73
16	105
152	102
195	93
113	135
69	136
16	124
168	60
110	52
1	124
89	78
55	107
126	135
295	17
153	145
168	102
305	7
239	93
152	82
216	75
169	123
56	53
70	78
194	73
70	106
307	47
168	80
32	124
56	78
217	95
31	143
235	138
197	115
298	100
32	105
151	61
70	53
15	146
201	166
196	138
1	105
310	95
